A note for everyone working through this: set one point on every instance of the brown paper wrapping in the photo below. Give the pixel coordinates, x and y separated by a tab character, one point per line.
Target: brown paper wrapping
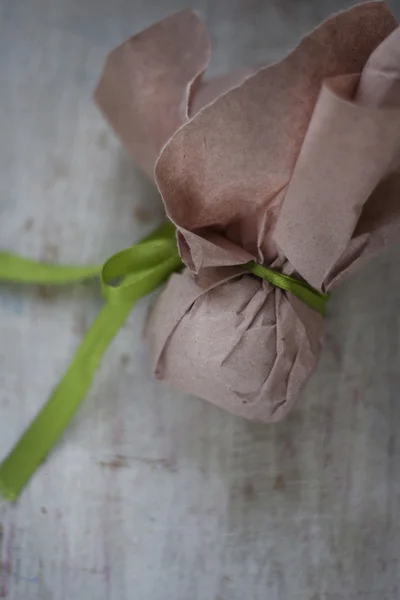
294	165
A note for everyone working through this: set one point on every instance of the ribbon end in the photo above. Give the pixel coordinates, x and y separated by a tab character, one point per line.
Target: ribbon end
6	493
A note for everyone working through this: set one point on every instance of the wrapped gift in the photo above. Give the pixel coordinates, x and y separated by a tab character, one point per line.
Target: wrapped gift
277	182
292	166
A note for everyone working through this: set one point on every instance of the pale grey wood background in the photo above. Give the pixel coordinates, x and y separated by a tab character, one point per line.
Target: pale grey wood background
152	495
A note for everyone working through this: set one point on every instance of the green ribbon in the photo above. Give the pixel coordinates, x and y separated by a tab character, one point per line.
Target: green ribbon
17	269
125	277
301	289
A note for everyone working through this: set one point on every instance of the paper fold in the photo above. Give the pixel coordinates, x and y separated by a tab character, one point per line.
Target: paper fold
348	150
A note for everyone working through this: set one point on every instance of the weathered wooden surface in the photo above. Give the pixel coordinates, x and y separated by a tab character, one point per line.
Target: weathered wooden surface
152	495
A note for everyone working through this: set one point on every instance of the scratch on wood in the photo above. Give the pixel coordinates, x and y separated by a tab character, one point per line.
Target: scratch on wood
125	359
6	564
46	292
107	573
80	323
28	224
249	492
158	463
118	462
280	483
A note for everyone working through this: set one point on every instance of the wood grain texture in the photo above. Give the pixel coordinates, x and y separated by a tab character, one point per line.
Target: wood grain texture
151	495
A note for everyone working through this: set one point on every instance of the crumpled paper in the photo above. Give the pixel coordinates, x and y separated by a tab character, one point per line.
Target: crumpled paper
295	166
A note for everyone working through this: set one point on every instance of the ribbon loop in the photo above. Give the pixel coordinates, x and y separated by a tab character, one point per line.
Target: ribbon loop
142	267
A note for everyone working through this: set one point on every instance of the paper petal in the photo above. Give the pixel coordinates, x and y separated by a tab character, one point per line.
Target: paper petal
145	86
